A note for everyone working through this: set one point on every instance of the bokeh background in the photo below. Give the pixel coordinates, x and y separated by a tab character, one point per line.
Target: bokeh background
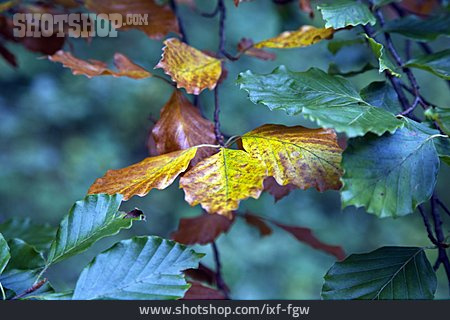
59	132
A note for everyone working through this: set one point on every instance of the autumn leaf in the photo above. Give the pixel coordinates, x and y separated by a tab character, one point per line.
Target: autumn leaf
94	68
138	179
276	190
246	46
181	126
198	291
296	155
221	181
258	223
303	37
188	67
203	229
202	274
161	19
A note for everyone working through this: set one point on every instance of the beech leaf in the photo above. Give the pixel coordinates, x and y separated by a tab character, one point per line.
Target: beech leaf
188	67
181	126
303	37
296	155
202	229
138	179
94	68
342	13
161	19
277	191
221	181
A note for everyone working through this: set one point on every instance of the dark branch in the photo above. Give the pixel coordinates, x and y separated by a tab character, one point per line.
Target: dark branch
219	280
174	7
428	226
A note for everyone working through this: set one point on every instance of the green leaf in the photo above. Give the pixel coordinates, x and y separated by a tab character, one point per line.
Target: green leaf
383	60
443	149
342	13
66	295
337	45
441	116
4	254
333	69
420	29
88	221
437	63
19	281
391	175
381	95
24	256
141	268
386	273
38	236
331	101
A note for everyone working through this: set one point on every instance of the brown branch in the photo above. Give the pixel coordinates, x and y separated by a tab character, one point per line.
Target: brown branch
32	289
219	279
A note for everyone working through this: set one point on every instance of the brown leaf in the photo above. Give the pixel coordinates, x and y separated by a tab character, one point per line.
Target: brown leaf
277	191
202	229
197	291
202	274
138	179
246	46
188	67
8	56
305	235
305	6
181	126
161	19
259	223
94	68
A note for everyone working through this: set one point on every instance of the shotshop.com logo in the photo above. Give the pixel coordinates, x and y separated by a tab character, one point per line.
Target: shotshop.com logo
76	25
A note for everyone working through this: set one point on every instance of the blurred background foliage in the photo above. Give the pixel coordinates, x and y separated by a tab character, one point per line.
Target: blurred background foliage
59	132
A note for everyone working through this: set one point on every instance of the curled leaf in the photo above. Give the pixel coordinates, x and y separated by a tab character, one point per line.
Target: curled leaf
303	37
259	223
94	68
221	181
138	179
188	67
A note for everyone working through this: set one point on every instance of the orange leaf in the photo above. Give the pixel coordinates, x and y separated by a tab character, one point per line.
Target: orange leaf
138	179
258	223
202	229
246	46
93	68
181	126
197	291
161	19
188	67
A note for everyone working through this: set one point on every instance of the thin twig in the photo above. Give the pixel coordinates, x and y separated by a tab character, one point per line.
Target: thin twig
443	206
219	279
174	7
428	226
34	288
218	133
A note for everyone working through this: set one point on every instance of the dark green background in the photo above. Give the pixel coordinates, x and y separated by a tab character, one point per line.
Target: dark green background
59	132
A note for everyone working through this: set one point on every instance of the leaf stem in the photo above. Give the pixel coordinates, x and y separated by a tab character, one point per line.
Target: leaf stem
34	288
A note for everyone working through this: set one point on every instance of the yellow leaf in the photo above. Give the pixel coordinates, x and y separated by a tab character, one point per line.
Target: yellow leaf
221	181
303	37
138	179
93	68
188	67
161	19
296	155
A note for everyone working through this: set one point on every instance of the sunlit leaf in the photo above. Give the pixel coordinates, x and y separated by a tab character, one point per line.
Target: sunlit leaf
303	37
88	221
383	59
391	175
437	63
202	229
221	181
342	13
331	101
181	126
306	158
141	268
138	179
189	68
384	274
161	19
93	68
